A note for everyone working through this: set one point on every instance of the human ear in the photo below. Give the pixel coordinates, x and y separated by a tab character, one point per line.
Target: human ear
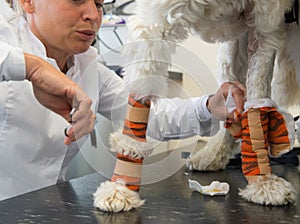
27	5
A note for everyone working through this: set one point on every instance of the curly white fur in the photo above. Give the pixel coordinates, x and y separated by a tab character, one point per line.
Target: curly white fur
147	74
273	190
216	153
214	21
127	146
285	88
116	197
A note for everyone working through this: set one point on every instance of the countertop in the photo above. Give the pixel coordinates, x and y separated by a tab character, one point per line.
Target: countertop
167	201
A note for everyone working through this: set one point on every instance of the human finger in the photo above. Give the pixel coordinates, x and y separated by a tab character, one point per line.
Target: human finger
81	106
239	96
81	117
69	135
84	126
79	129
240	85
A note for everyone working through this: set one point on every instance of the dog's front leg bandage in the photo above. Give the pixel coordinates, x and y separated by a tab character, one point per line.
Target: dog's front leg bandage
129	167
121	193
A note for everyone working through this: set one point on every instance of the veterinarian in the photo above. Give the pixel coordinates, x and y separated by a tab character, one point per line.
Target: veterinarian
50	84
33	153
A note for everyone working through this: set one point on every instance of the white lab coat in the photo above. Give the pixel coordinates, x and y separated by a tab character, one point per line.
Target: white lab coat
32	152
5	10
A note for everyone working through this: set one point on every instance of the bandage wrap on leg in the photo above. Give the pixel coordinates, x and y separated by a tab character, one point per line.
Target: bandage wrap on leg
128	168
254	147
273	128
135	124
265	131
281	133
130	146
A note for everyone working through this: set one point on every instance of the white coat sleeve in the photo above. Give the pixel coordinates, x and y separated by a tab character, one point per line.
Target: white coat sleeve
12	63
180	118
168	119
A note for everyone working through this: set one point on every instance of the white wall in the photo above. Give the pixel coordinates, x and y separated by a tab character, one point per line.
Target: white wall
206	51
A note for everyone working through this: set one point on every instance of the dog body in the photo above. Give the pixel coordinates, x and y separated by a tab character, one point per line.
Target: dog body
222	21
252	34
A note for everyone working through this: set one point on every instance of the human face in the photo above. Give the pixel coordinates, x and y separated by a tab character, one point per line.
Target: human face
65	27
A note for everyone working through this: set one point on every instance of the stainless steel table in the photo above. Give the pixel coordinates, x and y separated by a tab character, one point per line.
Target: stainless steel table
168	201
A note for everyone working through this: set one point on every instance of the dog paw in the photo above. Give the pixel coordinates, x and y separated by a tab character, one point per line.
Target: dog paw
272	190
116	197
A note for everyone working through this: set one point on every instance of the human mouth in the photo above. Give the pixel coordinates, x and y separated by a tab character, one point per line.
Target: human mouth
87	35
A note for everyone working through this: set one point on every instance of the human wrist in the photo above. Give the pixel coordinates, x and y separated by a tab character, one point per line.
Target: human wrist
208	104
31	63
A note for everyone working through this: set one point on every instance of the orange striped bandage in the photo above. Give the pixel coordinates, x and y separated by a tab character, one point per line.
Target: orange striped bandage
254	147
278	135
127	168
135	124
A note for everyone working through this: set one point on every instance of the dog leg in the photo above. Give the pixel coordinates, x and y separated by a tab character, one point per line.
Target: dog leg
285	83
215	154
121	193
232	66
258	119
232	61
265	131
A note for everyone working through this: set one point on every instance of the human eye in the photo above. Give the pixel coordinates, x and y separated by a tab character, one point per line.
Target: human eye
77	1
99	4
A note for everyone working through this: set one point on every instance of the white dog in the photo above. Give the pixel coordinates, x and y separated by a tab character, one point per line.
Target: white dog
159	23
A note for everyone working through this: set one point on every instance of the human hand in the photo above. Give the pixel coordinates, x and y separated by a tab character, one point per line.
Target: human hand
216	103
57	92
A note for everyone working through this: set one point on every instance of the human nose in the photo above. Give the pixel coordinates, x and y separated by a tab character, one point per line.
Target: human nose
91	12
